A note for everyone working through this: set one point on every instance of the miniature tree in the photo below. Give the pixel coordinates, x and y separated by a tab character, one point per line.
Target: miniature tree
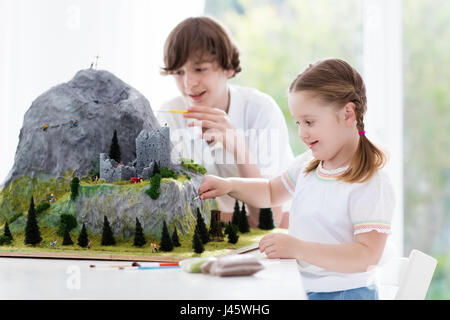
266	219
41	207
32	233
236	213
74	188
155	168
114	149
107	234
155	182
175	239
166	241
67	240
201	227
197	242
215	229
4	240
243	220
67	221
139	238
7	232
83	237
233	237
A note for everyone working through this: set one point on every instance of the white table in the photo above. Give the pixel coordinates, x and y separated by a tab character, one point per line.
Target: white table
22	278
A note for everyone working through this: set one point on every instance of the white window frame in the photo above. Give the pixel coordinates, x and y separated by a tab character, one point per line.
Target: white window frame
382	72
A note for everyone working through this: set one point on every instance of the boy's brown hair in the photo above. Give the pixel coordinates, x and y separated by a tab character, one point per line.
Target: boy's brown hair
335	82
197	37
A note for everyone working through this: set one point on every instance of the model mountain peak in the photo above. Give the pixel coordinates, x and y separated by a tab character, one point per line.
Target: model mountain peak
68	126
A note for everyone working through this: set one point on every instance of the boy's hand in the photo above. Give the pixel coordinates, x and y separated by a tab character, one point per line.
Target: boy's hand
213	186
279	246
215	126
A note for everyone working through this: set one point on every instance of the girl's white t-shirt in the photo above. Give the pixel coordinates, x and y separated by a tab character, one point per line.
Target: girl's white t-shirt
254	114
326	210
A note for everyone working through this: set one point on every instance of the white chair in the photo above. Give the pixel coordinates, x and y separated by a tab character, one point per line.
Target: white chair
406	278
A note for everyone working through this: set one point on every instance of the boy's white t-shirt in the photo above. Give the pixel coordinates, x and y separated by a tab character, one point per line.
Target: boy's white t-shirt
254	114
326	210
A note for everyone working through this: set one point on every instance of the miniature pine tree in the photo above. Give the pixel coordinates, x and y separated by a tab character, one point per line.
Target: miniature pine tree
236	213
107	234
32	233
154	191
114	149
233	237
166	241
197	242
139	238
74	188
243	220
201	227
156	169
7	232
266	219
175	239
67	240
83	237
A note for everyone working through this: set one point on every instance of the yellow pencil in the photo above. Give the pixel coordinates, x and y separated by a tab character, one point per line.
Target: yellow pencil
173	111
178	111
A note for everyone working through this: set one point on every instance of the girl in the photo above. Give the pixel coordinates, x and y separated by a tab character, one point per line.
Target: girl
237	122
342	201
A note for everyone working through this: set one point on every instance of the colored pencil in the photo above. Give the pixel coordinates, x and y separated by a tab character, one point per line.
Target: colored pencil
173	111
156	267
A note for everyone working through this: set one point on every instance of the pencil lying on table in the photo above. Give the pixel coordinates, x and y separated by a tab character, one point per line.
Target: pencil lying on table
161	266
140	266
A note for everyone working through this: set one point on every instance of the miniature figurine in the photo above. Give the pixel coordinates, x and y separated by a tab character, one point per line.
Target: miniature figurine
216	226
96	61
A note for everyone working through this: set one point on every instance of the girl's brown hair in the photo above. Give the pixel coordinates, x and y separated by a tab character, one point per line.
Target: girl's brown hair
335	82
197	37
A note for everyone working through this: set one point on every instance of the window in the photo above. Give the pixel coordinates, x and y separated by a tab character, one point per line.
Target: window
401	48
44	43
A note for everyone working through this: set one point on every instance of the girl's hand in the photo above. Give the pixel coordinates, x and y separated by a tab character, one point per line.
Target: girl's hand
213	186
279	246
215	126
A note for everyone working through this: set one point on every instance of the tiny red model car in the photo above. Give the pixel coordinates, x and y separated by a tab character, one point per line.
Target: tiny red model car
135	180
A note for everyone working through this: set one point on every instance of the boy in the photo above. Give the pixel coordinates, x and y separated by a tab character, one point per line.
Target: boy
242	129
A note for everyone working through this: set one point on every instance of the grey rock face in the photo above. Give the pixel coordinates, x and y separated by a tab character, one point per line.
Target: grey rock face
175	205
125	173
147	172
100	103
153	146
107	167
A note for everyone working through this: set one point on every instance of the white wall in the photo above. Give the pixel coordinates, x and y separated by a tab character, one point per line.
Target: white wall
45	42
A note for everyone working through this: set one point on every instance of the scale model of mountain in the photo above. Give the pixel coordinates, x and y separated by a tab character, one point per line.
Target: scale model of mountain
67	132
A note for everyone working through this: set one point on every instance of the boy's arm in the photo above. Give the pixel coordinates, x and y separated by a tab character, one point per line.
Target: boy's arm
257	192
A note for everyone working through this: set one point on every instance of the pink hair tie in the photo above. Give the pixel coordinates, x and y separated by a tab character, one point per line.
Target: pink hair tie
361	133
